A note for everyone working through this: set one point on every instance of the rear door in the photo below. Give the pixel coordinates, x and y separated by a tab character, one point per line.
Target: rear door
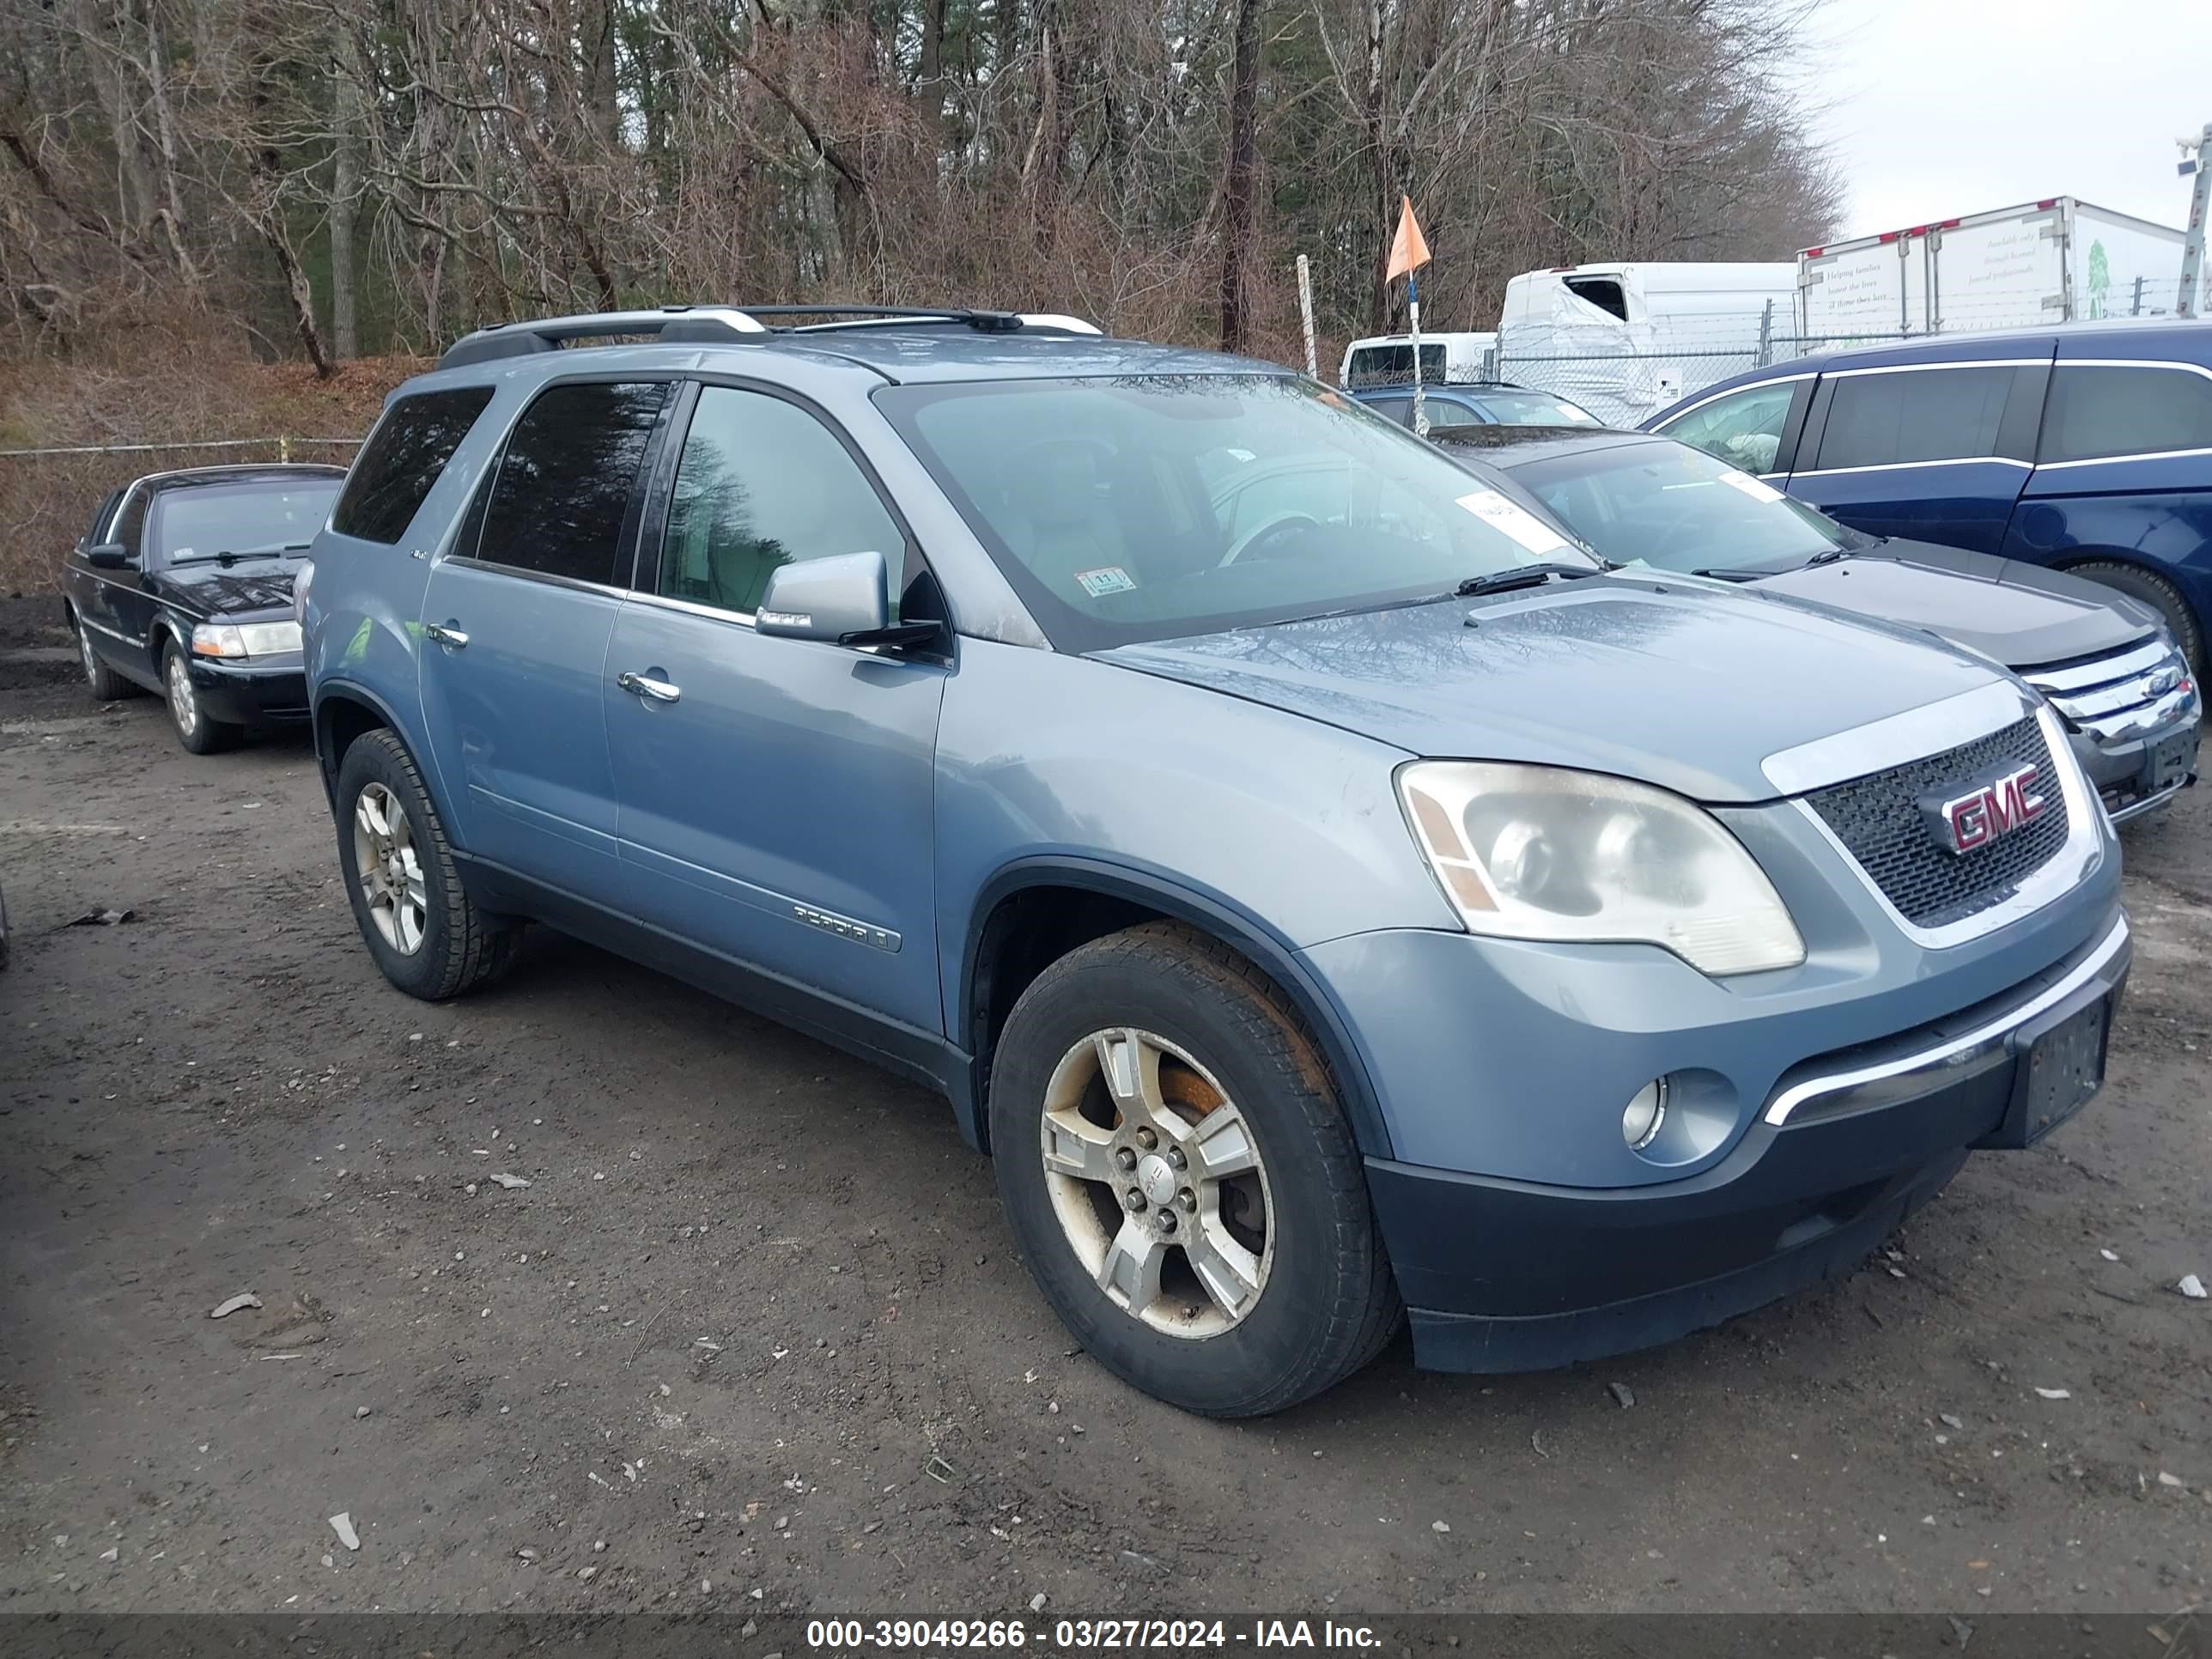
777	795
516	619
1937	451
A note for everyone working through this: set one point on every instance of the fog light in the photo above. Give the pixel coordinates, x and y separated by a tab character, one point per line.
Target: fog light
1647	1111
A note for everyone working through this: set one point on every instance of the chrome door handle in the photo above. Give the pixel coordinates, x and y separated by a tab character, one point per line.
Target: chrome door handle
445	636
658	691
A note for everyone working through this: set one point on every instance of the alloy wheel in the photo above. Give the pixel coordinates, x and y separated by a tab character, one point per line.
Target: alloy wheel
184	703
1157	1182
389	873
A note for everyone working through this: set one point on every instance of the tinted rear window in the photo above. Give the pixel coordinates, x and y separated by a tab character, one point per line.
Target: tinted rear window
1907	417
2099	412
403	458
562	503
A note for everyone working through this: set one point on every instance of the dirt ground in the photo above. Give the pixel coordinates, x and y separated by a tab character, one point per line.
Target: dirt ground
754	1337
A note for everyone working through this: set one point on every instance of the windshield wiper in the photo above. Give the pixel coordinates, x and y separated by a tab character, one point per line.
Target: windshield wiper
1828	556
229	557
1524	575
1719	574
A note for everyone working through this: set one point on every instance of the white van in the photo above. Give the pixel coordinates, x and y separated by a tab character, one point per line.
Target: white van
1624	339
1388	359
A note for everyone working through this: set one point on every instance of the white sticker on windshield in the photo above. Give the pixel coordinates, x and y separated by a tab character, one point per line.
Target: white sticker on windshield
1758	488
1107	579
1515	519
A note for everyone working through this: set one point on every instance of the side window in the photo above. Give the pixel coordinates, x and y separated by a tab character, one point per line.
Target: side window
1442	413
561	504
99	518
761	483
403	458
2099	412
1400	409
1744	428
130	528
1914	415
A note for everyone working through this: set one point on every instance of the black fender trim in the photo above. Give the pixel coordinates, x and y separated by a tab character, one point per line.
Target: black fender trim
1274	955
323	691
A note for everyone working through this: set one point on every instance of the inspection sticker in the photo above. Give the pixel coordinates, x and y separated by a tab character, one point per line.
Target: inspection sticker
1758	488
1515	519
1107	579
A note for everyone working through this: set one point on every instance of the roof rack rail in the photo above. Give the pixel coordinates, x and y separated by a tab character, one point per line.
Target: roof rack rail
723	325
730	326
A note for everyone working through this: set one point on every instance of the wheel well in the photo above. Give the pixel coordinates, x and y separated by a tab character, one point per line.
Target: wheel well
339	719
1032	928
1025	933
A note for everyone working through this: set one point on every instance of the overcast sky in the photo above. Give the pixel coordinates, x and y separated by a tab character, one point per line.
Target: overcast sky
1941	107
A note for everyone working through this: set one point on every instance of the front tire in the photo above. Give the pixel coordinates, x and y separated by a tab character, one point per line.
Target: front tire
426	933
1180	1179
199	732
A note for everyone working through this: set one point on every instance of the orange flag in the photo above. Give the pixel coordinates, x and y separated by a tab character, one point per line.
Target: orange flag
1409	249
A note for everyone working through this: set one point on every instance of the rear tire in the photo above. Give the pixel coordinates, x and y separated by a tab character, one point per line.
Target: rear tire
426	933
1251	1276
199	734
106	684
2160	595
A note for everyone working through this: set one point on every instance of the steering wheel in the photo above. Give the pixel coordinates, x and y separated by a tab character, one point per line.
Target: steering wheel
1270	538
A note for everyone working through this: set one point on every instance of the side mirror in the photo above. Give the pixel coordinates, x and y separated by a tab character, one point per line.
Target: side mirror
107	555
845	600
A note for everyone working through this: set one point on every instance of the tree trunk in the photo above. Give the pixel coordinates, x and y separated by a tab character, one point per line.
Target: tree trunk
302	296
1371	115
345	206
1236	187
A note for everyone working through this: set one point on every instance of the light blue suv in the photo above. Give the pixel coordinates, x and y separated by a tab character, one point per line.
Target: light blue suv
1321	889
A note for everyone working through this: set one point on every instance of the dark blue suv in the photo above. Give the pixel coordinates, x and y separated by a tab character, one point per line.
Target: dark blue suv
2085	447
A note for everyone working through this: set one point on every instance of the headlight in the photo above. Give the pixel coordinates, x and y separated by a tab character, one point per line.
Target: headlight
1539	852
245	638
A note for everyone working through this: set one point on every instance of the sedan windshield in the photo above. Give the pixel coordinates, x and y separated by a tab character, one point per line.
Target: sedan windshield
1664	503
1160	506
1533	409
264	518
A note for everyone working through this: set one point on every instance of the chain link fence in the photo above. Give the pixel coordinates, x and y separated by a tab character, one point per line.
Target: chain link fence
48	496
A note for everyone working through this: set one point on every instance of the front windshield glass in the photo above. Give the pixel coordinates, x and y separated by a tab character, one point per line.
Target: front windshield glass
1666	504
1534	409
1165	506
279	515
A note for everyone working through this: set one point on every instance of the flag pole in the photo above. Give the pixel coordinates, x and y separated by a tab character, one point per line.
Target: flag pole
1414	318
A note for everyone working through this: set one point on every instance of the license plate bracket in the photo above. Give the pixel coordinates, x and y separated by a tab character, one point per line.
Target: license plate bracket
2061	1068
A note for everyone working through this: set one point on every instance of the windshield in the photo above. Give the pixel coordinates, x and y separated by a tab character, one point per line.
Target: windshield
1160	506
1533	409
205	519
1392	364
1666	504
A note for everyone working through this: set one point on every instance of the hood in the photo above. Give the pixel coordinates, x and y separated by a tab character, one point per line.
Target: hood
2016	614
237	591
1687	684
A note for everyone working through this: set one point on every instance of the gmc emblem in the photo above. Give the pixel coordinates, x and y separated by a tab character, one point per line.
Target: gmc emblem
1987	812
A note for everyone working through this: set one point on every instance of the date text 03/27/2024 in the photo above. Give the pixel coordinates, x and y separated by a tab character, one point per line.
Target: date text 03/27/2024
1080	1635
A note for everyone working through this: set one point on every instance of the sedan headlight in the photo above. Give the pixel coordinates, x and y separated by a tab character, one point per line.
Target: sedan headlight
245	638
1539	851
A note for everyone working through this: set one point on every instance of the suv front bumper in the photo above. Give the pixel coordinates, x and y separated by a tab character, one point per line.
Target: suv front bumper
2143	772
1504	1275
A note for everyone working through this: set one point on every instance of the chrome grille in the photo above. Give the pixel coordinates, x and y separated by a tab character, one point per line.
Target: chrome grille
1880	824
2119	695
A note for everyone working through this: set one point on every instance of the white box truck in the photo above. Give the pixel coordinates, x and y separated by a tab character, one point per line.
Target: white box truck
2052	261
1624	339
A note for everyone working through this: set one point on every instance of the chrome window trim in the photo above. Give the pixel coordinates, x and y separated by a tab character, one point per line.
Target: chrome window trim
2063	870
2133	455
2100	671
1779	1109
2133	362
692	608
1914	467
548	578
1748	385
1922	368
1896	740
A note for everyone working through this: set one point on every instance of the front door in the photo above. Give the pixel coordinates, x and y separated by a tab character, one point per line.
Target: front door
776	795
515	622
